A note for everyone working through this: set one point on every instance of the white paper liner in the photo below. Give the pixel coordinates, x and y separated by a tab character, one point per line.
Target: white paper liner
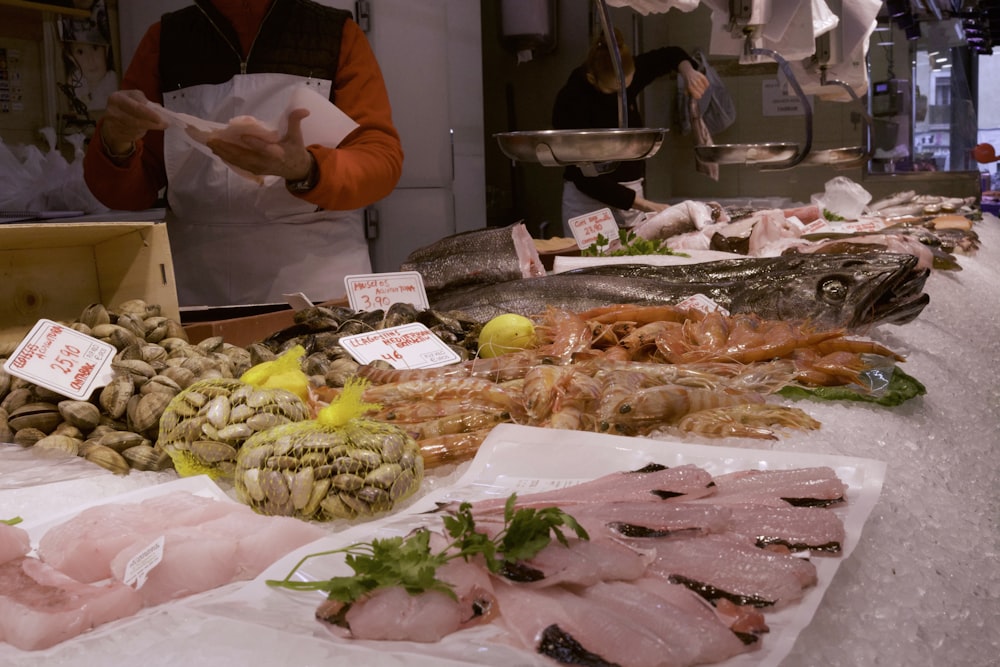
553	459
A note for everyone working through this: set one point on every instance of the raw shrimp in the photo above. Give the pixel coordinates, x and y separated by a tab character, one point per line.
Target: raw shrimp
542	386
747	421
462	422
667	404
452	448
563	334
574	406
636	314
481	390
409	412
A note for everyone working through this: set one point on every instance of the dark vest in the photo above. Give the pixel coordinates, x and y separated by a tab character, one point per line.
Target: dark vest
199	46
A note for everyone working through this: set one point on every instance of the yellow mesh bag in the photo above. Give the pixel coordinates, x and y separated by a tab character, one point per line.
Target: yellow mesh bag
337	466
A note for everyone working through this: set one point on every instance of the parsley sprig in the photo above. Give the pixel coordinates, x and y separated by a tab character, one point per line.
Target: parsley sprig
12	522
629	244
408	562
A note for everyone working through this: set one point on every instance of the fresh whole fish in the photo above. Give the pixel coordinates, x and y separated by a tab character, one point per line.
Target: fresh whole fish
486	255
842	290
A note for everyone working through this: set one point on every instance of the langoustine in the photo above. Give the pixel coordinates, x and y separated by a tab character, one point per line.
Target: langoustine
627	369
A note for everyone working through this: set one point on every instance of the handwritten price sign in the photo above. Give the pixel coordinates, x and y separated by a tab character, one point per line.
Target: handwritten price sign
585	228
406	346
62	359
378	291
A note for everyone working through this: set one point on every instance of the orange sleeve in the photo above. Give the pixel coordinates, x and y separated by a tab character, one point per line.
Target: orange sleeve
134	185
367	164
363	169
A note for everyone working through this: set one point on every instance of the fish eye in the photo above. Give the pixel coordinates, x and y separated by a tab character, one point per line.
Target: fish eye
833	289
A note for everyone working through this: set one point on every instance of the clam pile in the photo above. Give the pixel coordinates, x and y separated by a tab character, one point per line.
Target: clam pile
318	472
118	427
319	329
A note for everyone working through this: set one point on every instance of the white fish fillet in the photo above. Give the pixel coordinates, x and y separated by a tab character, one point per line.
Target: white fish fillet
394	614
694	633
688	481
585	563
616	520
613	633
816	529
40	606
84	546
14	542
817	483
730	565
194	561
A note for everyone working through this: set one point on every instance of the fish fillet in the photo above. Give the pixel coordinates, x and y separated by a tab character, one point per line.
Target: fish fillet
41	607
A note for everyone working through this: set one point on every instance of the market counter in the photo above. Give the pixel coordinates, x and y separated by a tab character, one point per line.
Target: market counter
921	586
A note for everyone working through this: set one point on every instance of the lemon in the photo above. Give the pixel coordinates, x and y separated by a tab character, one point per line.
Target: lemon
506	333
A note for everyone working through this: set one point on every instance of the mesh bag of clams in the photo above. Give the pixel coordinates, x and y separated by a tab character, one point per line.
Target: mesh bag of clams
204	426
336	466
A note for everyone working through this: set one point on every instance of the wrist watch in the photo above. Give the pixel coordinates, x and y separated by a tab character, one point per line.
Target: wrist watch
309	182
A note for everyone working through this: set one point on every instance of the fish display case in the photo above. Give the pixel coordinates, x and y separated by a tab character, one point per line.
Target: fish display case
913	469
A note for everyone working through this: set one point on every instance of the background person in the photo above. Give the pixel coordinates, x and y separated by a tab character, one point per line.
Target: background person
589	100
236	240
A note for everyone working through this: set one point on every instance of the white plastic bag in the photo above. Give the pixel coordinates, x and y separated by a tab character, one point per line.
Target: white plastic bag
45	181
843	197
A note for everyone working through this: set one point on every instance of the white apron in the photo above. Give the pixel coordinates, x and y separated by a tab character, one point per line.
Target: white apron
235	241
575	203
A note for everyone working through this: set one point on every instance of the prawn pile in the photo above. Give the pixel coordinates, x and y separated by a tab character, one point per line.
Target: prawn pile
625	370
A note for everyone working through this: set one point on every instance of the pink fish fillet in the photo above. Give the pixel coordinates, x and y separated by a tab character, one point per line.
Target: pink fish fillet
577	629
41	607
724	566
694	635
815	529
652	520
816	486
261	540
14	542
658	483
581	563
748	622
394	614
84	545
194	560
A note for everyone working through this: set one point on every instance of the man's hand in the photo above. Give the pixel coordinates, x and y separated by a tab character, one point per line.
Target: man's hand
126	119
287	157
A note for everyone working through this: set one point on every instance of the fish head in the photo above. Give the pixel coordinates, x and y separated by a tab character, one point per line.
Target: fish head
856	291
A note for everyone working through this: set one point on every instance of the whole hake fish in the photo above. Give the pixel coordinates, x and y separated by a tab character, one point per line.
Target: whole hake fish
849	291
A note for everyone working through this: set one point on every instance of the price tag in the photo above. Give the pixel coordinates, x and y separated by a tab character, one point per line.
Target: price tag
62	359
840	227
140	565
406	346
585	228
375	291
701	303
820	226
